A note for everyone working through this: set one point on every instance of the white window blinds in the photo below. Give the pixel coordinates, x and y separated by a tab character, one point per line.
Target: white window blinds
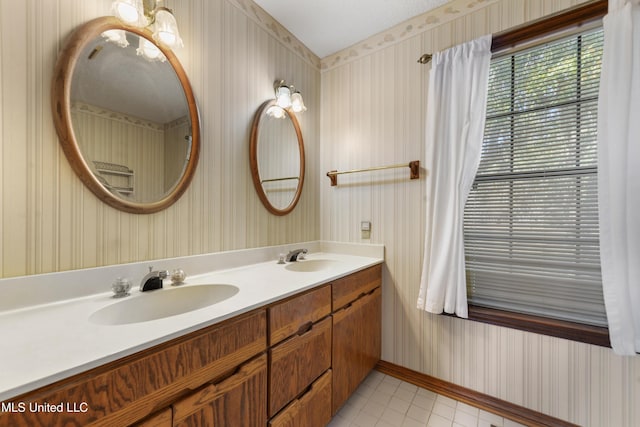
531	219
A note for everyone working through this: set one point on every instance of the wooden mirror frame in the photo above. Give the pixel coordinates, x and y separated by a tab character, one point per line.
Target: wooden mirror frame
253	159
61	108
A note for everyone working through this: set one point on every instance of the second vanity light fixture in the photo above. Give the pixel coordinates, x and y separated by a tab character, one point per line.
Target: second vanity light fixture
287	97
147	13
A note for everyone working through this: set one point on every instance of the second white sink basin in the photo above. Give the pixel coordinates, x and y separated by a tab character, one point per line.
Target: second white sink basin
162	303
311	265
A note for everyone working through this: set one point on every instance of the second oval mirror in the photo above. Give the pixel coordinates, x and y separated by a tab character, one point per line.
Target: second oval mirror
277	158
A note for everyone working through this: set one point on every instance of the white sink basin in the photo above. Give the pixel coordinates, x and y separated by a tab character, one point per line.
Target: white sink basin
162	303
311	265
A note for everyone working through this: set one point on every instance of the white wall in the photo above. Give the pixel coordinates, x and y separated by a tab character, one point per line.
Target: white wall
373	112
233	53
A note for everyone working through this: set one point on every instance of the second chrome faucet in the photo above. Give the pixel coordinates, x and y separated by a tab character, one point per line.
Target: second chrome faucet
153	280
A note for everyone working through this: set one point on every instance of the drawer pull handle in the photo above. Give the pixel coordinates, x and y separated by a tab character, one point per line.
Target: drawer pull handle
304	328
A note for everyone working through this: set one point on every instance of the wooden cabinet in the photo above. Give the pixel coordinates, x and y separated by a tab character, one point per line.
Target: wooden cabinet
129	390
312	409
305	353
356	332
294	362
239	400
297	362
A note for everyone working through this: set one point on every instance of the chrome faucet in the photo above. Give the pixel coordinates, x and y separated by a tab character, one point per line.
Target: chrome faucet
296	255
153	280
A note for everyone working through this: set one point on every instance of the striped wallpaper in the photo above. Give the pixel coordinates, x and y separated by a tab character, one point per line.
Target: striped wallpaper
365	108
232	55
373	111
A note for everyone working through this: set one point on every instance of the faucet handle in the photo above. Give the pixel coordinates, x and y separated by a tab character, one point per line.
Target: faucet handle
177	277
120	287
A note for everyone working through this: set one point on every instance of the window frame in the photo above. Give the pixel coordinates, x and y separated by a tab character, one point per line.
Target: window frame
574	17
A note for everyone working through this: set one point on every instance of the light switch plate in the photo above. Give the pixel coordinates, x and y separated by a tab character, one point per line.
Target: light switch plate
365	226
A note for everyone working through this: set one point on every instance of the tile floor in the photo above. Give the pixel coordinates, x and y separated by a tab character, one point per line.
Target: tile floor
385	401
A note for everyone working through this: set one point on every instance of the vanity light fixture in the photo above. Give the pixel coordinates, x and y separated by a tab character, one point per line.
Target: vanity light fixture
148	13
150	51
118	37
287	97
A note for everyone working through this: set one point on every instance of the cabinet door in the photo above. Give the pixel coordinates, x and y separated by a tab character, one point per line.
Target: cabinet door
312	409
297	362
239	400
356	345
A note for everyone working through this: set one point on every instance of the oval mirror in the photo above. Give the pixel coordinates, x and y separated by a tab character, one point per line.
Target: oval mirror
277	159
128	124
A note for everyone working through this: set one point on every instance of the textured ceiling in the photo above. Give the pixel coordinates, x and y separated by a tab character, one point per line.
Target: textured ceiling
327	26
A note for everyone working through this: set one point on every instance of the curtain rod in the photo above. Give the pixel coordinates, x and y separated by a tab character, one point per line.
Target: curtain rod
579	15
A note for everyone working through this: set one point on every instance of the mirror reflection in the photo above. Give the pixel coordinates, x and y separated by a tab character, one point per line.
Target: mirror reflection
126	116
277	158
130	118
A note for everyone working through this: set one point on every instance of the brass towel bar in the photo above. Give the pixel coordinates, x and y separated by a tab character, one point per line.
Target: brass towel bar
413	165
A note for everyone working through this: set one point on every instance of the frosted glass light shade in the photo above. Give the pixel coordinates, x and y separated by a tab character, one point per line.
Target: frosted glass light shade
118	37
150	51
166	29
283	97
275	112
297	104
130	12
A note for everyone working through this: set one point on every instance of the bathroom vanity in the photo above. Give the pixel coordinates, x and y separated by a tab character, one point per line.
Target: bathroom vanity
289	357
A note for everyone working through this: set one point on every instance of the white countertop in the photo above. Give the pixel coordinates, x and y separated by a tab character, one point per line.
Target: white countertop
48	342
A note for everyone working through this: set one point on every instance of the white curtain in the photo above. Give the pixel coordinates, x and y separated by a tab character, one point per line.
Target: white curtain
619	174
456	106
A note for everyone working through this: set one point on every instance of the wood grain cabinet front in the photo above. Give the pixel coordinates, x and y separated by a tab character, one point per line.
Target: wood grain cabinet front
356	344
239	400
131	389
312	409
288	317
297	362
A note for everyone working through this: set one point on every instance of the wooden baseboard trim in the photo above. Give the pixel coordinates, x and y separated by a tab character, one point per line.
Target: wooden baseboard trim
488	403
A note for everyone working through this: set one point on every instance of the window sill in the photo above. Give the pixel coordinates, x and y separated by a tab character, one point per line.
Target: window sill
541	325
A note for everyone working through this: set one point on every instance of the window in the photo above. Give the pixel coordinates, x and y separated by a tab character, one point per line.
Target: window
531	219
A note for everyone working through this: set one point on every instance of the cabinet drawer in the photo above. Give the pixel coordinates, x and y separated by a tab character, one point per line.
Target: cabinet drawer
297	362
312	409
288	317
348	289
130	389
239	400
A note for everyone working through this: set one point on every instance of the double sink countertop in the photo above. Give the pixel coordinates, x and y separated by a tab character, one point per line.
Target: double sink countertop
52	337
